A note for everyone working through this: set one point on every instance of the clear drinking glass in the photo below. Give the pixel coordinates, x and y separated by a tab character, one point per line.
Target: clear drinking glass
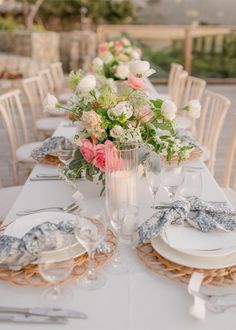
90	231
191	184
122	216
171	178
121	196
66	152
153	175
55	271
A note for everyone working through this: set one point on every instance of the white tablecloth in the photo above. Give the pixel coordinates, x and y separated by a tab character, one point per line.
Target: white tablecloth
137	300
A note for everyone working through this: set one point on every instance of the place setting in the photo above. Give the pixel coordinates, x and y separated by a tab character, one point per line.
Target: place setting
114	217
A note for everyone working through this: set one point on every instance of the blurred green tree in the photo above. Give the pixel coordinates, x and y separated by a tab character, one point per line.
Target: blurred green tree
100	11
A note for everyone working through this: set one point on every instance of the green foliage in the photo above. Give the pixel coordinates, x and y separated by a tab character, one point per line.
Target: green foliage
99	11
8	24
206	64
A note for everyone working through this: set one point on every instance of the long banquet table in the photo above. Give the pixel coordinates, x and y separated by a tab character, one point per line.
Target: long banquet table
136	300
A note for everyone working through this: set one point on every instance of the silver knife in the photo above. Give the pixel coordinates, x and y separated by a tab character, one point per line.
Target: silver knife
27	318
47	175
44	311
45	178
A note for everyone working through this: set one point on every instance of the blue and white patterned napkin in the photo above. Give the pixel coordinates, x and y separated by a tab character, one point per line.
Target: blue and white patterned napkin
199	214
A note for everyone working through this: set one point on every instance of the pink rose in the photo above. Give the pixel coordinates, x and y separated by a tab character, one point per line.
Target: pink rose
145	114
99	160
136	83
113	162
87	150
100	157
102	48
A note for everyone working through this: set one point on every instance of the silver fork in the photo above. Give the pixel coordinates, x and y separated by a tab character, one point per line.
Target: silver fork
70	207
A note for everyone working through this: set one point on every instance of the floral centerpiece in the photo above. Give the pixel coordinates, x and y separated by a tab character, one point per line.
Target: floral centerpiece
116	116
113	58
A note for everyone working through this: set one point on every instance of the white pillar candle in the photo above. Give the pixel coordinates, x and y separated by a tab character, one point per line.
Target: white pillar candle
123	190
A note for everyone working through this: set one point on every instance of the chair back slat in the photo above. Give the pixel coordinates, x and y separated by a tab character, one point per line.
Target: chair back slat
230	160
214	110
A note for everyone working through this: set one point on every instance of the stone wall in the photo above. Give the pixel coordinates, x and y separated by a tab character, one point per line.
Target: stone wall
40	46
77	49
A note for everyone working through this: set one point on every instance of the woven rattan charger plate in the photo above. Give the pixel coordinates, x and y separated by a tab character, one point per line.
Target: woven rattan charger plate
29	275
161	266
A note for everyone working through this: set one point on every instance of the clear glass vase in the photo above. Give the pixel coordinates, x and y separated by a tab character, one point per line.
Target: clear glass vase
121	189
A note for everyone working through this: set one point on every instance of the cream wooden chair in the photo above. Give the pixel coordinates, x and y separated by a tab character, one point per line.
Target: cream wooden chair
229	181
13	119
47	81
60	82
175	71
214	110
35	94
173	80
193	90
58	76
178	88
8	196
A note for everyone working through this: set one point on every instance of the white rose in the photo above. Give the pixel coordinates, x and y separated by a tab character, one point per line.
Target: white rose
49	103
98	62
168	109
120	109
116	131
122	71
140	69
86	84
107	57
194	108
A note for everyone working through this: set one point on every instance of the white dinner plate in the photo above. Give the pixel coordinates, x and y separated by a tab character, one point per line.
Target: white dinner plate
192	261
199	244
24	224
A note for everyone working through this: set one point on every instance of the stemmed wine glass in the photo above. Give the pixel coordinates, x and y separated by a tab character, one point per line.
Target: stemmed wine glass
90	231
55	271
153	175
171	178
191	184
119	213
66	152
